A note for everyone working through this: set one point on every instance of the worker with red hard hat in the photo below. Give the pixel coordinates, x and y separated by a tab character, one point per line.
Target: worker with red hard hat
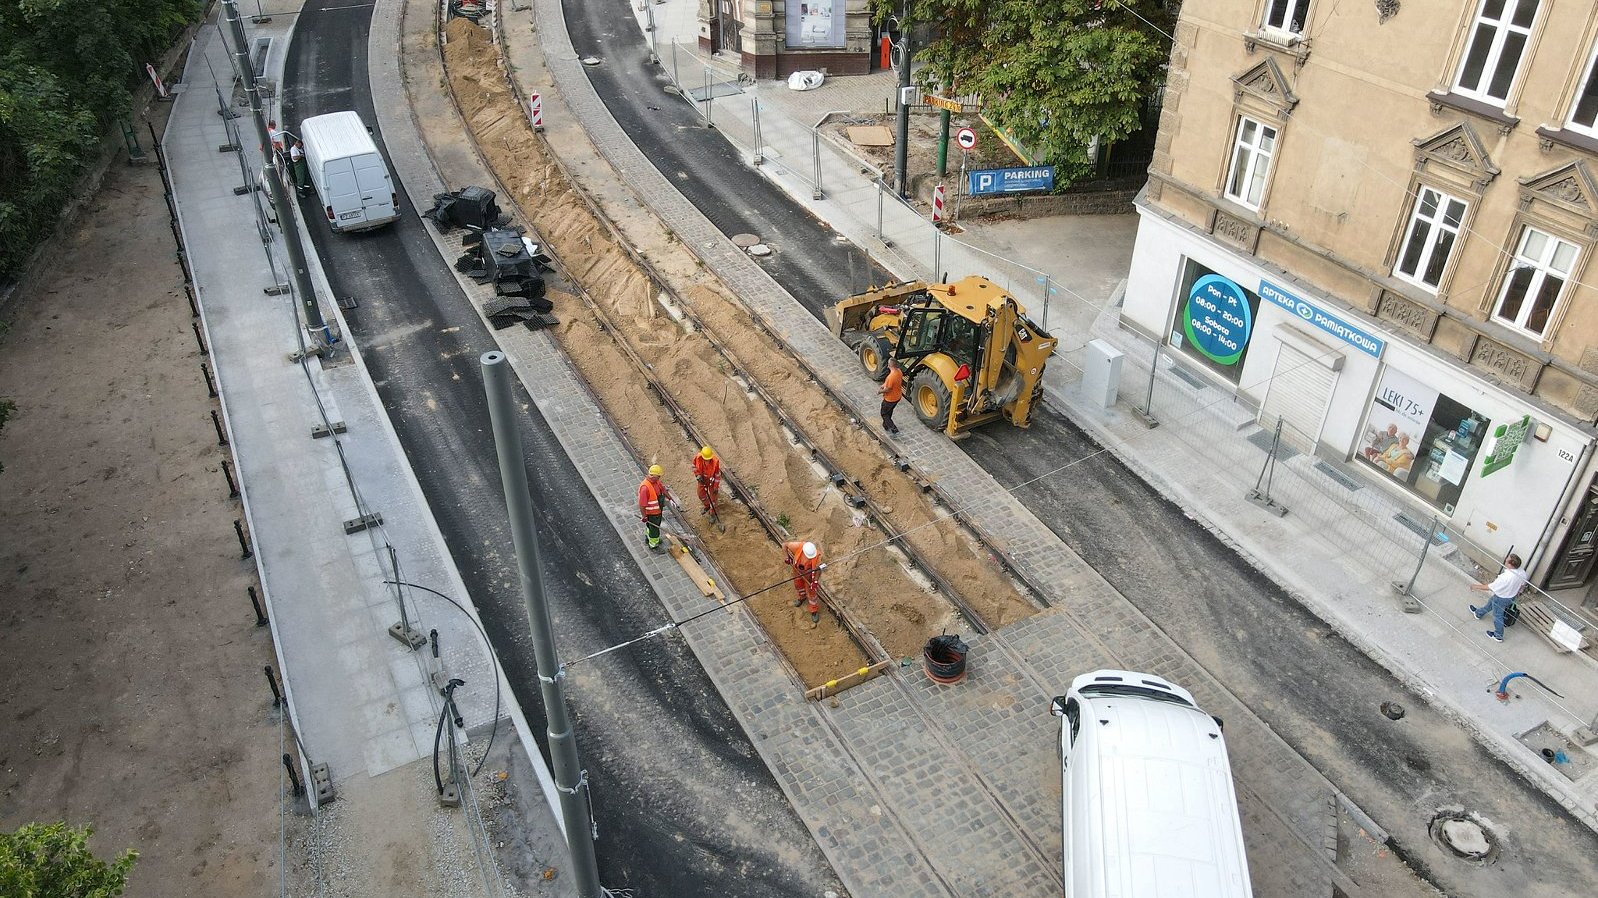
805	560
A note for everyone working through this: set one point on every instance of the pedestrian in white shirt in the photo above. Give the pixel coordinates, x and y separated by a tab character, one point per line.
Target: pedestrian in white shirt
1503	591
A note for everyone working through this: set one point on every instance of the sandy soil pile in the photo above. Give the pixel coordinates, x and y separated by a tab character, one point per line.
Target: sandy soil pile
875	586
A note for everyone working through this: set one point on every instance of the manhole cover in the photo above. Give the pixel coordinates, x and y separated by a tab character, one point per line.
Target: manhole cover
590	60
1465	836
744	241
759	249
1393	710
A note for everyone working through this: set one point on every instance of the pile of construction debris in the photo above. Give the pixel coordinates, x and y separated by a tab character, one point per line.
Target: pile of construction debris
497	253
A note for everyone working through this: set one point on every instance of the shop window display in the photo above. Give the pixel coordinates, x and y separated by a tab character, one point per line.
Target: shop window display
1421	439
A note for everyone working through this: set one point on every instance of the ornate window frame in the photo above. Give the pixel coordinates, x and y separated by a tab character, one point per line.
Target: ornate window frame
1562	202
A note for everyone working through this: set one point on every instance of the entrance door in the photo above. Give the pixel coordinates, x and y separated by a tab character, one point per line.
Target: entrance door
1299	394
1581	546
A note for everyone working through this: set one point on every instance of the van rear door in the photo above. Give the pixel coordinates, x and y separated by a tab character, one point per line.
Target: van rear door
377	192
343	195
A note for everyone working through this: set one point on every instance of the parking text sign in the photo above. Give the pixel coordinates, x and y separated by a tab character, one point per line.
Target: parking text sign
1011	180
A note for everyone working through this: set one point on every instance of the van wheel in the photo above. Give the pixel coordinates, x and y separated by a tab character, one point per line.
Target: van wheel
875	350
930	399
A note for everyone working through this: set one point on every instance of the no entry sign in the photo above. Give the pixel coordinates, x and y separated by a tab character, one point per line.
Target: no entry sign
966	138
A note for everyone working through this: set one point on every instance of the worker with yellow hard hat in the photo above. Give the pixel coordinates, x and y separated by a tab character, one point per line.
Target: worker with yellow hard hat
707	470
652	496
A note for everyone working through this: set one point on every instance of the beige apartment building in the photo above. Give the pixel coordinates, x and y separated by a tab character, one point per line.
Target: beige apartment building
1378	222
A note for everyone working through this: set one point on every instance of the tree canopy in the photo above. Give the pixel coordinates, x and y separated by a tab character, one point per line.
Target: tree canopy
1055	74
53	860
66	72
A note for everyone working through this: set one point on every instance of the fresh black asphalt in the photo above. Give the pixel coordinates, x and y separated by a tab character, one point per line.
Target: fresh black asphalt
1312	687
684	805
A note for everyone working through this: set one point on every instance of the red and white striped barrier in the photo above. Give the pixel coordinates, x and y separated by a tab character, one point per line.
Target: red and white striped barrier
535	110
937	204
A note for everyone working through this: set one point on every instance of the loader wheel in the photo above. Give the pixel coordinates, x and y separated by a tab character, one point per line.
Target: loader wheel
875	351
930	399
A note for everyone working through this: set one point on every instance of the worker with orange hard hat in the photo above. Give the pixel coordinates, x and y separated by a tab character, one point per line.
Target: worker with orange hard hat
707	470
805	559
652	496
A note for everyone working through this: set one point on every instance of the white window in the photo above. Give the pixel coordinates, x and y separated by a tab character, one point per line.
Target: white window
1429	240
1537	276
1287	15
1584	111
1497	43
1251	162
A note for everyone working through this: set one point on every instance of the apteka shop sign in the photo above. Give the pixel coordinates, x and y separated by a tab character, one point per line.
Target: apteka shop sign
1323	319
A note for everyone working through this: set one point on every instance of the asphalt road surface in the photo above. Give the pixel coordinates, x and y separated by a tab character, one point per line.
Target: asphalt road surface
1316	690
683	803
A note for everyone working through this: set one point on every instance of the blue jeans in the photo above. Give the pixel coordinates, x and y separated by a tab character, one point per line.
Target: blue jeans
1496	607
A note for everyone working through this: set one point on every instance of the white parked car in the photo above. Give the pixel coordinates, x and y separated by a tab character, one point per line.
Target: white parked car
1149	807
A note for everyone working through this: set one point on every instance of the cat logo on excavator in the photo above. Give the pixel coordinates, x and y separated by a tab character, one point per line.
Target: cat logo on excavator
968	351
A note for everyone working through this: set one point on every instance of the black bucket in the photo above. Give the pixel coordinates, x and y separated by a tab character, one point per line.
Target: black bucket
944	659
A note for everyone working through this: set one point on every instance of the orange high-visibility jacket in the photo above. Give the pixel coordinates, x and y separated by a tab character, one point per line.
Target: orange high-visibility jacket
707	468
650	495
796	556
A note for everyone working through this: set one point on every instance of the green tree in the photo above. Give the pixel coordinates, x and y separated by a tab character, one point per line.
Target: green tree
66	72
53	860
1055	74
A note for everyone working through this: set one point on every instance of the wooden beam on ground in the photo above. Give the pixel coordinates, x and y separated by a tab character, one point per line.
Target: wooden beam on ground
685	559
833	687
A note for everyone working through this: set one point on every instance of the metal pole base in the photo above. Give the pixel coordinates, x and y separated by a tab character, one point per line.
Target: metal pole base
322	783
1147	418
1408	602
408	635
816	194
315	351
450	797
1585	735
1266	502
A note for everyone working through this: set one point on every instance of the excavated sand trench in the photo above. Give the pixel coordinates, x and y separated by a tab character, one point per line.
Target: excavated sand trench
881	594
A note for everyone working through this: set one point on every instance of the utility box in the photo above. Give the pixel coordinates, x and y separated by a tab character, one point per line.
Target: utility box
1101	373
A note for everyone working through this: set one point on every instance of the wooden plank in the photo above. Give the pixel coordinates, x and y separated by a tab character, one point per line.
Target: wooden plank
855	678
685	559
869	135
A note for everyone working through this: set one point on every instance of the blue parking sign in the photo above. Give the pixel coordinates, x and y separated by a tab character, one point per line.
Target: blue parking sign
1011	180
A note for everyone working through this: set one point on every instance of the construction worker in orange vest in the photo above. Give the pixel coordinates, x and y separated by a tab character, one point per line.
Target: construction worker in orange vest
652	496
805	559
707	470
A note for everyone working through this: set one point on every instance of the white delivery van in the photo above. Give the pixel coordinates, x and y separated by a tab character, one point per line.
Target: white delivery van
348	172
1149	806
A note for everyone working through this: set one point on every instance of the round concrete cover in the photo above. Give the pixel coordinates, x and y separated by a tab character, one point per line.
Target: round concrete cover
744	241
590	60
1466	837
759	249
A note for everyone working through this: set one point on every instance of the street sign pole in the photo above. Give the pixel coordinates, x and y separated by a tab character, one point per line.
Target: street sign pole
959	196
943	142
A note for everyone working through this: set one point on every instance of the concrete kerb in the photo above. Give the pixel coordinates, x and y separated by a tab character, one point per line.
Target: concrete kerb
243	485
1501	746
384	39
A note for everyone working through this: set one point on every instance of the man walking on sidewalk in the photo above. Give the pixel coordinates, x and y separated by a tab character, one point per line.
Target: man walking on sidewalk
892	391
805	560
1503	591
652	496
707	470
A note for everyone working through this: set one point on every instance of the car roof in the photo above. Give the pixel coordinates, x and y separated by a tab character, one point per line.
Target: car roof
1167	821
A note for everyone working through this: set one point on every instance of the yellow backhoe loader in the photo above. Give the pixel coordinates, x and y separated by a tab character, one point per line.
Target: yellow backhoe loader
968	351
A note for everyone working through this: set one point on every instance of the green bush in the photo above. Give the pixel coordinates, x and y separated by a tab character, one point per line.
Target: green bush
67	71
53	861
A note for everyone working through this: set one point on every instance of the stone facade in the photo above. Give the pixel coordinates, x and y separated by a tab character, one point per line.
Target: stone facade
758	31
1374	106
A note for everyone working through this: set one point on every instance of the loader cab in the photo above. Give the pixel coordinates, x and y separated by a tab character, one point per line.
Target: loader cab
928	329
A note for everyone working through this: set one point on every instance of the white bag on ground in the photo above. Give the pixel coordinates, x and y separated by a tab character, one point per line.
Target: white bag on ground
805	80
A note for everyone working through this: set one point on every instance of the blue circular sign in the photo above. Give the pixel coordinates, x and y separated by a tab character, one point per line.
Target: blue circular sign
1218	321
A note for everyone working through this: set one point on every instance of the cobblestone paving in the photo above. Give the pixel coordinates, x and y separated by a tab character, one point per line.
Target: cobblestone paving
910	789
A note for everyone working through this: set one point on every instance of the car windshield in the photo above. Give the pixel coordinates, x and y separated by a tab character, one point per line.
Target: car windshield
1135	692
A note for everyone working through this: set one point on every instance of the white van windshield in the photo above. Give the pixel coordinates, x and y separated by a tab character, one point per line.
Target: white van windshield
1136	692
